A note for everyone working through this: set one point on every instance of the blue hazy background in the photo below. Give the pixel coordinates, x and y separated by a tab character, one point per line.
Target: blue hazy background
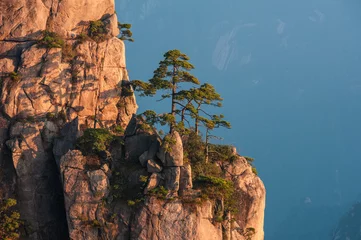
290	75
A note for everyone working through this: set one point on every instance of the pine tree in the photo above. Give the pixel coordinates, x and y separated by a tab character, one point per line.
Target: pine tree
172	71
216	121
125	32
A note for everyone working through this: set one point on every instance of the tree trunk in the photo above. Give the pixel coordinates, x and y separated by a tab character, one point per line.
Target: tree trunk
207	148
183	111
196	128
96	116
173	110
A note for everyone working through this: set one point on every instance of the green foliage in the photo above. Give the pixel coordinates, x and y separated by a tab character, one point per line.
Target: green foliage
220	189
208	169
119	130
94	141
51	40
168	143
143	178
145	89
220	152
249	233
250	161
97	30
125	32
159	192
82	37
219	218
122	187
9	220
173	70
193	148
127	90
50	116
215	187
96	224
14	76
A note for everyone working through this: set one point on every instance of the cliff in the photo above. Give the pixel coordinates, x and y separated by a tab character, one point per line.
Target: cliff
62	72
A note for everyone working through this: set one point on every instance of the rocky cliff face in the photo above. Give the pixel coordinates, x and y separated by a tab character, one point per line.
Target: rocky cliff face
53	87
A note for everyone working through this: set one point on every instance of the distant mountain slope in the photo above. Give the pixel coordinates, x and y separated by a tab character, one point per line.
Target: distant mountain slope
349	227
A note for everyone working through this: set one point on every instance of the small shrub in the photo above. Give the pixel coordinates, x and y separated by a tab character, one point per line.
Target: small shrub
143	178
249	159
51	40
218	152
94	141
14	76
9	220
215	187
131	203
249	233
218	188
254	170
51	116
159	192
127	90
219	218
119	129
82	37
96	224
97	30
206	169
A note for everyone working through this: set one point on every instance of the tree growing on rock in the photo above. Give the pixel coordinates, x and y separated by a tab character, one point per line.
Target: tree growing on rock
125	32
173	71
216	121
194	101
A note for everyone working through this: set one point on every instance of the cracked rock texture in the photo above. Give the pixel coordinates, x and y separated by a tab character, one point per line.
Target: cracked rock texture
54	86
49	96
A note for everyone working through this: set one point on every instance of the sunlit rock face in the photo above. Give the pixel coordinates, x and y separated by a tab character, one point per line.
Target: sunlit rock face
43	88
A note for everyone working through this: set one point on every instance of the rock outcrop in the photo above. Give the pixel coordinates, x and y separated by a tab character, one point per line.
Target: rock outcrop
63	71
43	88
98	206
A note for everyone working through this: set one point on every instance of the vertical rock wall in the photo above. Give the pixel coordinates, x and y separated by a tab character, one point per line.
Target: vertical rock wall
44	88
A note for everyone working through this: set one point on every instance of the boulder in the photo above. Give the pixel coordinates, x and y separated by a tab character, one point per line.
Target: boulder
171	151
99	182
153	182
136	145
153	167
171	179
185	178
